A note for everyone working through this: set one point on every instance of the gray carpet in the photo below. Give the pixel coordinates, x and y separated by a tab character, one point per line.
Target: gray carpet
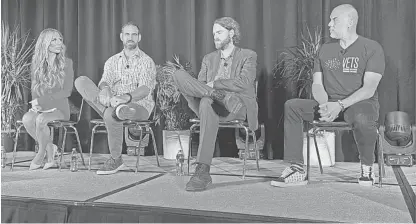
333	196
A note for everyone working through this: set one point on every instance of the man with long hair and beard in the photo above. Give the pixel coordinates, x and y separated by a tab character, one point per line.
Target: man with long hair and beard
52	81
124	92
224	91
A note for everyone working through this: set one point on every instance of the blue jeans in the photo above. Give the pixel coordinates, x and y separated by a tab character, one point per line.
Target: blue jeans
362	116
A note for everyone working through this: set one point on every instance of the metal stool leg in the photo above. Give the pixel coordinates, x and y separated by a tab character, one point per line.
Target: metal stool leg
15	146
140	142
191	132
380	153
257	151
246	152
79	145
62	148
308	154
317	150
154	145
91	145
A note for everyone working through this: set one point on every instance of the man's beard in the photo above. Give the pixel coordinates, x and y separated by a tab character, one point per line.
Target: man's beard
130	45
223	44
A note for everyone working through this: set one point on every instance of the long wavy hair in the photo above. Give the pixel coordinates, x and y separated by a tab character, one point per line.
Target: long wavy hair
230	24
45	75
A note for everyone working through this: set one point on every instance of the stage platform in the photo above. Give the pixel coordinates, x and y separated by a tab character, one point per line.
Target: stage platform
155	194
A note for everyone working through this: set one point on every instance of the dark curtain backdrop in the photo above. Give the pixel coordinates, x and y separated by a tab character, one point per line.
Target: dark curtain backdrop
91	32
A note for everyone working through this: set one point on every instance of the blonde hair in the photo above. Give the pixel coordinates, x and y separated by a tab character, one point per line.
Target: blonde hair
44	75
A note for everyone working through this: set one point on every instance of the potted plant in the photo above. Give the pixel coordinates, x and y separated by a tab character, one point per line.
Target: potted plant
16	51
172	108
295	71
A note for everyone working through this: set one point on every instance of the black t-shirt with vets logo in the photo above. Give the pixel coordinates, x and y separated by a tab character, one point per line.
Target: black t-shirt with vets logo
343	69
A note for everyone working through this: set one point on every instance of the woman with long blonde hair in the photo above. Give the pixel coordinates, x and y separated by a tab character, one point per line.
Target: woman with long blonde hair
52	81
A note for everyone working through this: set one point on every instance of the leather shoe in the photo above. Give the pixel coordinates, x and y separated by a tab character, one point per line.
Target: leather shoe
201	178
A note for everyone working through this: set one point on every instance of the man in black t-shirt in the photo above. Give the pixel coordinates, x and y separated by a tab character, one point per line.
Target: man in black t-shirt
345	79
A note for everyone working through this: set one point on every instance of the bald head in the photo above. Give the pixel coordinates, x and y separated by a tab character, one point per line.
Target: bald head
344	20
348	11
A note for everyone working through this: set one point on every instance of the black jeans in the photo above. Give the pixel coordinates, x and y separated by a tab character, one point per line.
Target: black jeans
363	117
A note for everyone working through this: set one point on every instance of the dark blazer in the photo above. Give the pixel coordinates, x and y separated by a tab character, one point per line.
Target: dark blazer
242	81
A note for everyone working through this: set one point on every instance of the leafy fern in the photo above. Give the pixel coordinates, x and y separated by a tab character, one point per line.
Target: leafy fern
16	51
170	105
297	63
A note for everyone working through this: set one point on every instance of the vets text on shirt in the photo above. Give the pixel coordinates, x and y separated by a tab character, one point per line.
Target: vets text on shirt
350	64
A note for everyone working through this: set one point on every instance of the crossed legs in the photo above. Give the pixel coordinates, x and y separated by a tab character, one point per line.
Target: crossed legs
89	91
198	96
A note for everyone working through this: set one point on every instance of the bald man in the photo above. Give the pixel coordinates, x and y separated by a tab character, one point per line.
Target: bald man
346	74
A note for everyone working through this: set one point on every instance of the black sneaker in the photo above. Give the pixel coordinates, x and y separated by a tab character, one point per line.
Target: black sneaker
111	166
366	178
201	178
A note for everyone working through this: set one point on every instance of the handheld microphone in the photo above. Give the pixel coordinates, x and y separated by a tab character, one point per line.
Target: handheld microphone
127	66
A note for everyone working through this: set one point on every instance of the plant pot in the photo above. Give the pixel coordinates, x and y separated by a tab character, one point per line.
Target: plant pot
171	144
326	145
7	141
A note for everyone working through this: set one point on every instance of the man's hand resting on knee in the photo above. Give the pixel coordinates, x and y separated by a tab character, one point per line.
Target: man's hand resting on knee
329	111
104	96
117	100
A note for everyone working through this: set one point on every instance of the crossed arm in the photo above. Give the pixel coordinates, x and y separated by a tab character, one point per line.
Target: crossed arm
237	84
242	81
106	97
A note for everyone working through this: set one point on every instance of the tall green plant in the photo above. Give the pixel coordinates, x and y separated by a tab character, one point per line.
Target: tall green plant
296	64
171	107
16	50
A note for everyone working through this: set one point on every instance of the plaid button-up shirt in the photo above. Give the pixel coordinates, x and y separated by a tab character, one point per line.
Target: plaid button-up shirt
126	75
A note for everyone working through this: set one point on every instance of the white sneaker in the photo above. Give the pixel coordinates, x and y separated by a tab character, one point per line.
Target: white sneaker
291	176
124	112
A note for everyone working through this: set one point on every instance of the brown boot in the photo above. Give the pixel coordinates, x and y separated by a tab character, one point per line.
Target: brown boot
201	178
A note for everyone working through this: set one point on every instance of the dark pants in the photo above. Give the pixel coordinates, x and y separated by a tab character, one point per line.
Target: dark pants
362	116
197	95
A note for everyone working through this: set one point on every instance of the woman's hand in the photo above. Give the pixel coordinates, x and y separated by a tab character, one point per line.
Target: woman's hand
35	105
34	102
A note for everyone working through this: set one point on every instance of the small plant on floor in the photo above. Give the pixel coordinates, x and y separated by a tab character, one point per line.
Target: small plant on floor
171	106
